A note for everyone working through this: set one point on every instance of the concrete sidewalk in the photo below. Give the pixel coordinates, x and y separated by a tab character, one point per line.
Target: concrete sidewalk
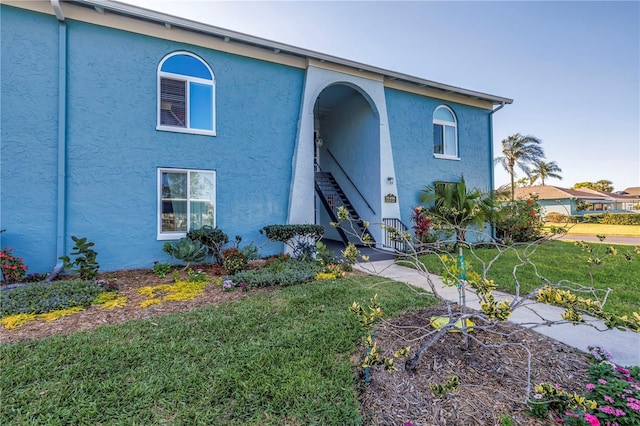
623	345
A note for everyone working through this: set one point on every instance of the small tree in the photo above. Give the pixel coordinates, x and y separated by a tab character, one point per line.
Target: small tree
212	238
470	276
301	239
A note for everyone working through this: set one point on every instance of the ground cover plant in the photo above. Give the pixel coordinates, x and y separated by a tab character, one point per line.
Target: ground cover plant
280	357
41	298
559	260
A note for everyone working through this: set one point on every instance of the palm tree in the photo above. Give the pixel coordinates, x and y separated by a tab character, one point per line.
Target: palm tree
544	170
454	205
521	151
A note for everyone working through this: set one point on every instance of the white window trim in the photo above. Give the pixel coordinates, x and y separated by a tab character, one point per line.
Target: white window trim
170	236
446	157
444	123
187	79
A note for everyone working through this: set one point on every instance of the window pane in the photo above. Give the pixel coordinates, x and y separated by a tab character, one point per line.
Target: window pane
450	145
186	65
202	199
172	102
443	114
438	142
174	202
200	106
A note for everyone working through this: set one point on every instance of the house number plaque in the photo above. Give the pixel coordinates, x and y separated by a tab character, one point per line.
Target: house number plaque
390	198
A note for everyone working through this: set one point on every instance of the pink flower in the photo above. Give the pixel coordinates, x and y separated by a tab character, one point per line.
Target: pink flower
608	399
590	386
633	406
602	381
593	420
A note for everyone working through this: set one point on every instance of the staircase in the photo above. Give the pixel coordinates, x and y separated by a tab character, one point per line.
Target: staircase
333	198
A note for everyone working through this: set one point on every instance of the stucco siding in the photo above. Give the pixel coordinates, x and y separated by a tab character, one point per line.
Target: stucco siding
411	129
29	101
114	149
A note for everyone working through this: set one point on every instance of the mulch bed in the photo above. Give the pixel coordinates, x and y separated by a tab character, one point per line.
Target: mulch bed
493	380
128	282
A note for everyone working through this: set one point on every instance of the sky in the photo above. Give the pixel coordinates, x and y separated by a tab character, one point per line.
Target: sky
572	68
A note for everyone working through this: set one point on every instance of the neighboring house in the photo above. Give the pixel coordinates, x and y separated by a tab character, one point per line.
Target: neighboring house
631	200
571	201
619	202
131	127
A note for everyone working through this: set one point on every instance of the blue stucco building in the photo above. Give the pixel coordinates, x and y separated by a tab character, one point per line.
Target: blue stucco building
130	127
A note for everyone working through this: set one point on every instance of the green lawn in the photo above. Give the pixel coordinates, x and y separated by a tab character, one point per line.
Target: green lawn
559	260
270	359
598	229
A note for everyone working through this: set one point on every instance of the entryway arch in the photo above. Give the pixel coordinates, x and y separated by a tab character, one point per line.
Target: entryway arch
349	114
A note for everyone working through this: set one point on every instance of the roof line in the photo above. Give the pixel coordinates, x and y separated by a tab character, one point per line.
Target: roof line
230	35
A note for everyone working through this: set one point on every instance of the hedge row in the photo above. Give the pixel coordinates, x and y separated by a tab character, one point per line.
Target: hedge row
603	218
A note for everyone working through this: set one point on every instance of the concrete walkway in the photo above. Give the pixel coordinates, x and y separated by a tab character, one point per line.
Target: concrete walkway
623	345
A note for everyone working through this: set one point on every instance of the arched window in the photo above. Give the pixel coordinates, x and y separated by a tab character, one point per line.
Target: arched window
445	133
186	95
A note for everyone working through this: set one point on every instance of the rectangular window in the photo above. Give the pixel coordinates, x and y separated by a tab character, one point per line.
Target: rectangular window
444	140
173	95
438	139
186	201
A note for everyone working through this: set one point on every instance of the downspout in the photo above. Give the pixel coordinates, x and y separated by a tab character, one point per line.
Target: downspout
62	140
492	167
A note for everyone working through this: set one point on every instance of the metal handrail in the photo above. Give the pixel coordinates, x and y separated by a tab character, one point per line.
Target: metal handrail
396	224
350	181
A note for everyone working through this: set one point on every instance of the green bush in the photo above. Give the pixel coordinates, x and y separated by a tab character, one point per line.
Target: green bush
284	273
556	217
620	219
40	298
233	260
301	239
212	238
519	221
85	261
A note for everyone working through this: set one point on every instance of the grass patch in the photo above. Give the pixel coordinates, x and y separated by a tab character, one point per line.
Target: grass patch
559	260
270	359
597	229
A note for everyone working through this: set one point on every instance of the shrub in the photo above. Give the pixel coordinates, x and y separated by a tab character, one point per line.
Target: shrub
13	268
85	261
301	239
284	273
213	239
519	221
41	298
233	260
161	269
187	250
556	217
422	225
620	219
